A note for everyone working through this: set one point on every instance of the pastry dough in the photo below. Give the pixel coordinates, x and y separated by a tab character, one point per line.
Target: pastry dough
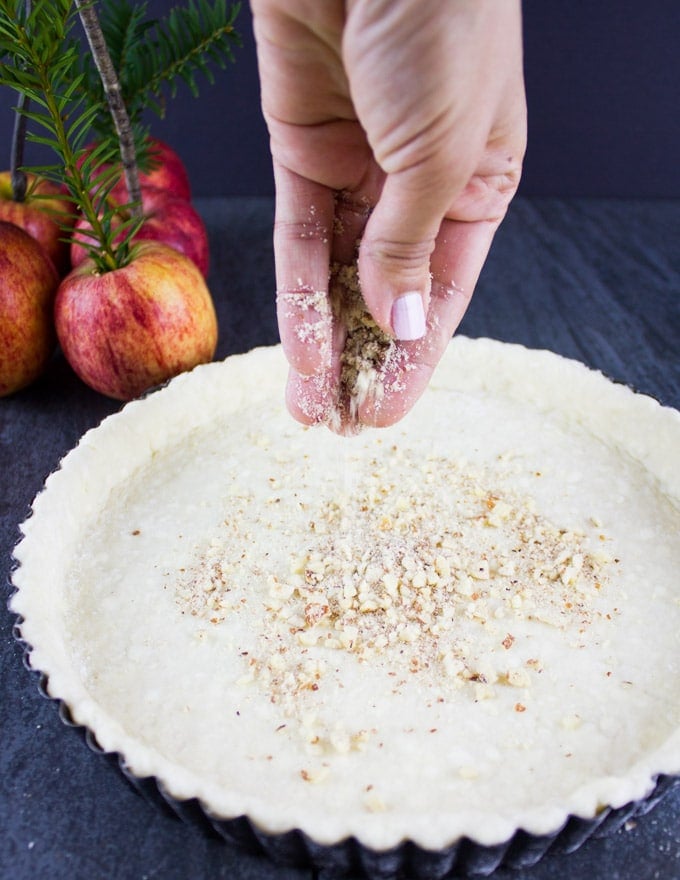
464	624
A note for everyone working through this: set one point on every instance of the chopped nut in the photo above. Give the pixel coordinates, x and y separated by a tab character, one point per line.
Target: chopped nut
518	678
314	612
426	576
480	571
315	776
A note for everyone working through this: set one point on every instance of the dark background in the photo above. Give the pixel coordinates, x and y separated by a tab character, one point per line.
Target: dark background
603	88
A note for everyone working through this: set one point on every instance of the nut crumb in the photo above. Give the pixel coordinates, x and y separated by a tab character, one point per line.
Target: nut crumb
403	574
369	356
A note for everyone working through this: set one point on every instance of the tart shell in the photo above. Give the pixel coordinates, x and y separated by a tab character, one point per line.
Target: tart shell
476	856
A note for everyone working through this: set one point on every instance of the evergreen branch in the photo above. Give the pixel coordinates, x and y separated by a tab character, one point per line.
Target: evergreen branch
63	96
151	55
78	131
45	57
123	25
187	39
126	27
114	97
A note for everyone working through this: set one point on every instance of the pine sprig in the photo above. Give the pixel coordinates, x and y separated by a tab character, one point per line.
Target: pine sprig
40	57
65	101
152	56
125	26
193	37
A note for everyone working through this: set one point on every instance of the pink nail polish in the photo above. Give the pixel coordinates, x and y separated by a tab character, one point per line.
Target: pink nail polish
408	317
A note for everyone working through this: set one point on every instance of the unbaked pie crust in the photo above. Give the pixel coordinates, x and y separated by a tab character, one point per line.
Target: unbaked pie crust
462	625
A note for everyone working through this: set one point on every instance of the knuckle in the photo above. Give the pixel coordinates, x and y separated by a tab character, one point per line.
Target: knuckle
408	256
302	230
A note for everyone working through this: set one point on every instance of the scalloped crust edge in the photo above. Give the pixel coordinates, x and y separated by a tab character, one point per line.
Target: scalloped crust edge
486	363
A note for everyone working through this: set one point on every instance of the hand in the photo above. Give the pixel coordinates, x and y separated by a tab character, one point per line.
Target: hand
400	124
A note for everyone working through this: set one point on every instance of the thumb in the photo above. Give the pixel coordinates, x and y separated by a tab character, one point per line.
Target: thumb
395	252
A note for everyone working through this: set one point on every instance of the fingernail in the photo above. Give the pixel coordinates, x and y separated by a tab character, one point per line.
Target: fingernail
408	317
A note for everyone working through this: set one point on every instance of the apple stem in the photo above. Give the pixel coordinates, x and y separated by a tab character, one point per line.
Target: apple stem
112	90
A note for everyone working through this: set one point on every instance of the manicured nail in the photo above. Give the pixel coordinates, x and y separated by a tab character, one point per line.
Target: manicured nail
408	317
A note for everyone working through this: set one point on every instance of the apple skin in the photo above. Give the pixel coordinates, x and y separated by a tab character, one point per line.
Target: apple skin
177	223
28	284
127	330
36	216
169	174
170	220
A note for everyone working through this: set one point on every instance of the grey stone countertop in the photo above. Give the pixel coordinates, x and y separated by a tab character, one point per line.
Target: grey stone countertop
594	280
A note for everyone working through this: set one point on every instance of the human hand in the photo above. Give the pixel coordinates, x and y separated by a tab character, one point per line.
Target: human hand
400	124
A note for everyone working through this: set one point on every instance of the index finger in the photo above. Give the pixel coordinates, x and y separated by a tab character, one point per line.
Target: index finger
303	233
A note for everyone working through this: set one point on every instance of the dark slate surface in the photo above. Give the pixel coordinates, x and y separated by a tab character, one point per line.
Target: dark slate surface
594	280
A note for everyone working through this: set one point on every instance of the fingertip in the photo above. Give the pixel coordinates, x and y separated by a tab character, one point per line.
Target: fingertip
310	399
403	385
408	373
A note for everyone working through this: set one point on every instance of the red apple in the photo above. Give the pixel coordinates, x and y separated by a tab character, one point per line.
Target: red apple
168	174
28	283
177	223
171	221
42	214
129	329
